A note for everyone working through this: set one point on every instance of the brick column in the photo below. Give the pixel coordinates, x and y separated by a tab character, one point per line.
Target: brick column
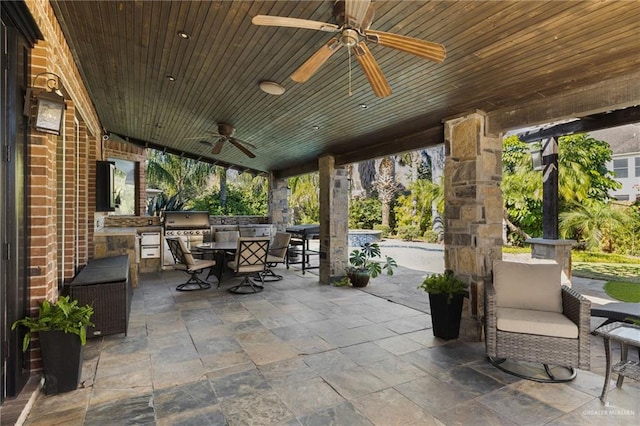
473	210
278	203
334	206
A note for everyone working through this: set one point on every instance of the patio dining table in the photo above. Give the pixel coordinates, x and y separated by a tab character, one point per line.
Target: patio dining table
218	251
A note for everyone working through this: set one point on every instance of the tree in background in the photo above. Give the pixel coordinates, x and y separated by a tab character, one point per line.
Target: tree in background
364	213
387	187
303	198
626	239
415	208
176	176
367	173
246	195
521	190
582	178
593	223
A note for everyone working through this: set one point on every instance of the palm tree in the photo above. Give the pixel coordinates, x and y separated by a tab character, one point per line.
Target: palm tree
387	187
177	175
592	222
303	200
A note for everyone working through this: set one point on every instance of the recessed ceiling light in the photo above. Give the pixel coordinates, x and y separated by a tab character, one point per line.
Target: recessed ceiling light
171	78
363	106
183	35
271	87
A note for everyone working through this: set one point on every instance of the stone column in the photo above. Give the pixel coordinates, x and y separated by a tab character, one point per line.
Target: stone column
473	210
558	250
334	205
278	203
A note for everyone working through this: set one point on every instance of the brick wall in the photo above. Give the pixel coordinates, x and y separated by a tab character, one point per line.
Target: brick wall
73	154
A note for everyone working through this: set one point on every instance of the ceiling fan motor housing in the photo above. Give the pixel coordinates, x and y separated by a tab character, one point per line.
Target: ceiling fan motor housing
225	129
349	37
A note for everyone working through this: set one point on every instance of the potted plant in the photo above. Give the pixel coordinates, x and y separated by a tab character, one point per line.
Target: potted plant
446	294
363	265
62	328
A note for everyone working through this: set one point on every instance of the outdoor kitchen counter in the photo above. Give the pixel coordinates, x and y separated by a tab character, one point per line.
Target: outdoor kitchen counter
114	241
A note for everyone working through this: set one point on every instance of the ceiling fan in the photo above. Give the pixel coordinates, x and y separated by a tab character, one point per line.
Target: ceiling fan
354	18
225	134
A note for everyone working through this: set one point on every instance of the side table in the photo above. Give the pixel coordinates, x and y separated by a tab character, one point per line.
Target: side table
627	335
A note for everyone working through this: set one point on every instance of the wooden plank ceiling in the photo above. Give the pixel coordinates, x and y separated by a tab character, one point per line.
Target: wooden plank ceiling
500	54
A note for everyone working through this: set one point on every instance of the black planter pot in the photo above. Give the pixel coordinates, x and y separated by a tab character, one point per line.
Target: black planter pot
359	279
62	361
445	317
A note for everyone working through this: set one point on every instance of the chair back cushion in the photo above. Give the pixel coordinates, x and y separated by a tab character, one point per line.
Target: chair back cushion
534	286
226	236
278	249
251	254
180	251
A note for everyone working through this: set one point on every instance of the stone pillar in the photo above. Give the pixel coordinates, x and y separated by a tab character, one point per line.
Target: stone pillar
278	203
473	210
334	205
558	250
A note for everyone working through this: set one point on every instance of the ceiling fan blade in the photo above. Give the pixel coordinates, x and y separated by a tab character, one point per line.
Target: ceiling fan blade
282	21
425	49
316	60
355	11
368	18
218	146
378	82
238	145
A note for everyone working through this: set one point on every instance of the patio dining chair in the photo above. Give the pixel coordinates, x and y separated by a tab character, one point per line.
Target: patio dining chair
250	260
186	262
530	316
277	254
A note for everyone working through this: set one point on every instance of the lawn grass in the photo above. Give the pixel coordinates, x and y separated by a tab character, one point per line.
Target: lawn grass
623	291
623	272
596	265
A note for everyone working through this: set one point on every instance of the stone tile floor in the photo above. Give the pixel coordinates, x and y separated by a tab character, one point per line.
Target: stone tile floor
301	353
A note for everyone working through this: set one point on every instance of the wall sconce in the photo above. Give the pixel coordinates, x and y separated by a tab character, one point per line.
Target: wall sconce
536	159
45	108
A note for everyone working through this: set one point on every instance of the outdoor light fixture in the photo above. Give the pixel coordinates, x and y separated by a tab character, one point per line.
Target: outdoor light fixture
536	159
45	108
271	87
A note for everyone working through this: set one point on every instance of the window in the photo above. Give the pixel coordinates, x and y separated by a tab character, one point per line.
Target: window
637	166
621	168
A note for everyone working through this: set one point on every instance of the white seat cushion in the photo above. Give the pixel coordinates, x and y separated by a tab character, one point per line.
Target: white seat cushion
541	323
535	286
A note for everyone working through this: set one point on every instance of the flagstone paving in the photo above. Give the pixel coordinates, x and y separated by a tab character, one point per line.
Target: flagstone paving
301	353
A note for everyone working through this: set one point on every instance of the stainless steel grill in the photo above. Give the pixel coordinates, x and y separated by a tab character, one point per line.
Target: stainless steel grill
191	226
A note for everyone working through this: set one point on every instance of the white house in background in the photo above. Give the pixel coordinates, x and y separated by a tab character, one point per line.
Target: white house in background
625	164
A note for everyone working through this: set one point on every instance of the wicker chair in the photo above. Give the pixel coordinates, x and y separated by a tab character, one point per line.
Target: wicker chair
277	254
185	262
530	316
250	260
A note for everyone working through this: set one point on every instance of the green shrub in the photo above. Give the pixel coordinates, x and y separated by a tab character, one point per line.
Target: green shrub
432	236
364	213
386	230
409	232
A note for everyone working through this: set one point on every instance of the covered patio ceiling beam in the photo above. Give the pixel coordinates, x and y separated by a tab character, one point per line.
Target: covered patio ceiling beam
419	140
585	124
606	95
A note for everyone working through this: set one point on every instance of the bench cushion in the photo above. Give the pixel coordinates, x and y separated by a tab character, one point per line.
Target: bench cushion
535	286
541	323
